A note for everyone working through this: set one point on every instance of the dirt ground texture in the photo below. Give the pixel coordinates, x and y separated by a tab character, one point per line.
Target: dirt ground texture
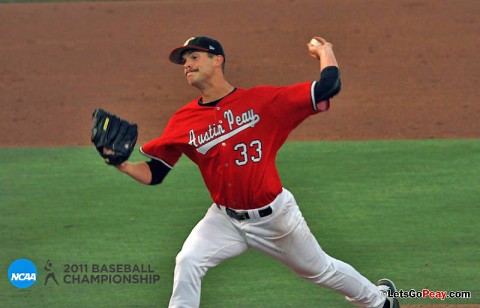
410	68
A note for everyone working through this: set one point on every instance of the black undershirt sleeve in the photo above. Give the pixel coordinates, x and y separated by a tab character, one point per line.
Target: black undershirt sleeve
329	84
159	171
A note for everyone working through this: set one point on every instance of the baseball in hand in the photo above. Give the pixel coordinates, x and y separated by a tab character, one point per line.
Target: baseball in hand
315	42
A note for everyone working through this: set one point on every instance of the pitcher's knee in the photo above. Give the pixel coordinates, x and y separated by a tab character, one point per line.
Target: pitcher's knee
320	274
188	267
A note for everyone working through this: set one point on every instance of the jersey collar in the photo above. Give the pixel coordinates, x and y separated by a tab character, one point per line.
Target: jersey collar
214	103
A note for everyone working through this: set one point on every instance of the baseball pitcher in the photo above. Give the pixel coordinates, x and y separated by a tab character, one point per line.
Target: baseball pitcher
233	135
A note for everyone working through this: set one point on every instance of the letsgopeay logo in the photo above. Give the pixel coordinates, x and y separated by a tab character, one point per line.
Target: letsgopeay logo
22	273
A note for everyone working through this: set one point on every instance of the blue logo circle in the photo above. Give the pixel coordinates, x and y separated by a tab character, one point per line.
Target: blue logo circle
22	273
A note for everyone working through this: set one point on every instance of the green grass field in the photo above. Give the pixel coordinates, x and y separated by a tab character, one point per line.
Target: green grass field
408	210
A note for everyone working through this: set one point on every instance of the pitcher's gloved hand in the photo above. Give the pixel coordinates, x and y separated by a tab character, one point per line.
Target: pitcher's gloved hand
113	137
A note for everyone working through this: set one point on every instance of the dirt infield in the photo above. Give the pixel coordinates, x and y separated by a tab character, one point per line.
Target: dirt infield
410	69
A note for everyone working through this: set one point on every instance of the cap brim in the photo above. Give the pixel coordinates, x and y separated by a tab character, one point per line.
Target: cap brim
176	54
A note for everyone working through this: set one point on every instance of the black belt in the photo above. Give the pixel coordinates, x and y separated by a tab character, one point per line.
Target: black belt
244	215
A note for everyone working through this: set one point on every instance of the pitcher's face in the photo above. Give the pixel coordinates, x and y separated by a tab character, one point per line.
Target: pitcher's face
198	67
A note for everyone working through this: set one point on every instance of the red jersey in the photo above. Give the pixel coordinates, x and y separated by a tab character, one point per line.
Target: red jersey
235	142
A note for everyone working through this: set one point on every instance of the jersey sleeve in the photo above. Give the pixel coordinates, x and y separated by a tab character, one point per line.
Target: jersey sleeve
164	148
295	103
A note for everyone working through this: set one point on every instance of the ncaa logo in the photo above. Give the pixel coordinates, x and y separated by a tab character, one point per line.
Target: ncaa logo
22	273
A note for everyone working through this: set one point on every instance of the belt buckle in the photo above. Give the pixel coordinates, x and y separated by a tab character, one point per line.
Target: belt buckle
242	215
237	215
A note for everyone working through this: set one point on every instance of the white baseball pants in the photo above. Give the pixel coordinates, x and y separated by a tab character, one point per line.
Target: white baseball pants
284	235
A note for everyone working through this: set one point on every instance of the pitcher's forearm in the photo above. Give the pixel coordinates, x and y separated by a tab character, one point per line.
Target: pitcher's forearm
139	171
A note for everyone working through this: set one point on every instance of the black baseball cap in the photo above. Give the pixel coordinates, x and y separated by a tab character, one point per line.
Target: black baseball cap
201	43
